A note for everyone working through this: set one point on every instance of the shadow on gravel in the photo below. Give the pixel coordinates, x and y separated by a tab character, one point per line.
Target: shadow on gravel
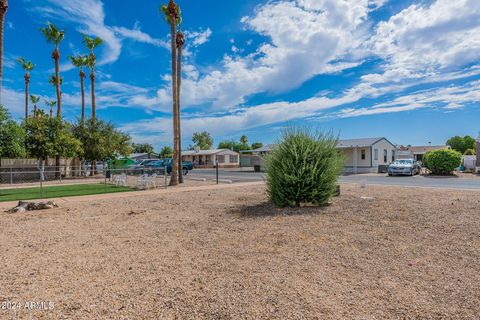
267	209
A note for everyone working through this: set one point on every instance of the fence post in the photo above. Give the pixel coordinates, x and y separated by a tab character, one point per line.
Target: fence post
165	173
11	176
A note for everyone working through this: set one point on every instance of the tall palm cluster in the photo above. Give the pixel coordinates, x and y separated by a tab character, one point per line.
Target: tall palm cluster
173	17
55	36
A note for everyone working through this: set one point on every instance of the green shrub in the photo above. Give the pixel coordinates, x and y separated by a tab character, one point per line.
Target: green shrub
303	168
442	161
469	152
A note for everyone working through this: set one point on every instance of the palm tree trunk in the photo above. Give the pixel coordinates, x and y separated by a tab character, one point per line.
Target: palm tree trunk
27	81
56	57
94	107
179	83
82	88
3	11
176	151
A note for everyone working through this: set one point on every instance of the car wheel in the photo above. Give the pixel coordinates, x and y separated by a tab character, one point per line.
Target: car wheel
185	171
390	174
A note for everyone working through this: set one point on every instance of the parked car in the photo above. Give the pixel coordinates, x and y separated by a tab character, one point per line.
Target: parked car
404	167
160	165
140	164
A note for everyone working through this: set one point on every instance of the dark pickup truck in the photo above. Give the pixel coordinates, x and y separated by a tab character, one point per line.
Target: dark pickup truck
160	165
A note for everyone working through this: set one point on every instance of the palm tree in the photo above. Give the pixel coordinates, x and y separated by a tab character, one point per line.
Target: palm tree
172	15
27	66
80	61
53	35
244	140
180	42
3	12
50	104
53	80
91	44
34	100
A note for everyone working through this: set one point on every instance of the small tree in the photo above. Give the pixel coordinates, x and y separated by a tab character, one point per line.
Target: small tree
166	152
203	140
101	140
256	145
442	162
12	137
304	168
233	145
50	137
469	152
461	144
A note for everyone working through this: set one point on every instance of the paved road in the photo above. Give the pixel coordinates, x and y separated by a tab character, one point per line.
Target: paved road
472	182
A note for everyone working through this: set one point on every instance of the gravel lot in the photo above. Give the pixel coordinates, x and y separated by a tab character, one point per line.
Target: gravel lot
228	254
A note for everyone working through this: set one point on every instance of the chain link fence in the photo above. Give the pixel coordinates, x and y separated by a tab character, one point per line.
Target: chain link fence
20	179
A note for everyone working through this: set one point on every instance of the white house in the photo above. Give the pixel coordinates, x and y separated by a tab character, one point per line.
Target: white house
367	155
207	158
361	155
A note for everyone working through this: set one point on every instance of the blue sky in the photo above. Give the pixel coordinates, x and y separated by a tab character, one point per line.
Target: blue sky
406	70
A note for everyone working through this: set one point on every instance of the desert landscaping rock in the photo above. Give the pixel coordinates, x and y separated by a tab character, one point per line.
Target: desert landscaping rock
229	254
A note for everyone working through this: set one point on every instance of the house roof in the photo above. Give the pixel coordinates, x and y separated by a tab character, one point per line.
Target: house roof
359	143
203	152
138	155
425	149
265	148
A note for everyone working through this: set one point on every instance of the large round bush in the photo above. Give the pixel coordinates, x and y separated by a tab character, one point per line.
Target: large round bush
442	161
303	168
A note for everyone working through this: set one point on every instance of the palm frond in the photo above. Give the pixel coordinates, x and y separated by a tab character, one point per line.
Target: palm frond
91	61
53	80
50	103
78	61
26	65
52	34
34	99
92	43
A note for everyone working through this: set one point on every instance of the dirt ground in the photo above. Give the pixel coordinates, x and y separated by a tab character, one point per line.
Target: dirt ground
374	253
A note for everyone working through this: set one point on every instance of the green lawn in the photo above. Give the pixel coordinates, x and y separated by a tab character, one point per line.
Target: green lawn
58	191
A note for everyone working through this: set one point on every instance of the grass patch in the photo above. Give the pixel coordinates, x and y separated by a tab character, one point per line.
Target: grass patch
58	191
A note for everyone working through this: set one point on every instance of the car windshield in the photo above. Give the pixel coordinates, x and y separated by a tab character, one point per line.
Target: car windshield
403	162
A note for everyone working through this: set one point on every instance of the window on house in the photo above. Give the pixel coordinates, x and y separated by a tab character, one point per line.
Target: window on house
375	153
393	155
363	154
385	155
233	159
221	159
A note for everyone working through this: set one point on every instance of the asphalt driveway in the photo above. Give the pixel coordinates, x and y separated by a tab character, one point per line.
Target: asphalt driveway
467	182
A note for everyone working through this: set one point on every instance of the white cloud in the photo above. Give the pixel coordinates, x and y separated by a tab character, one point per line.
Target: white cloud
302	42
90	17
421	39
138	35
197	38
